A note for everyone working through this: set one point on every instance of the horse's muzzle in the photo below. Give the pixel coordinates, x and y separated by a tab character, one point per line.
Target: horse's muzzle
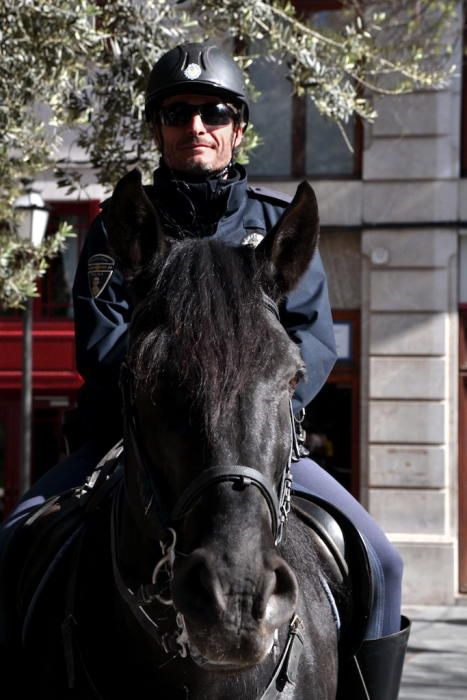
232	612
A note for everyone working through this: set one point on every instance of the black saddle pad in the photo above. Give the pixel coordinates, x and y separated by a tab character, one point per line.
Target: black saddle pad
346	554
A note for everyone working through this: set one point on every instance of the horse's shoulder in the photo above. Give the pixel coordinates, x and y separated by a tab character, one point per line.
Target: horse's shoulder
46	538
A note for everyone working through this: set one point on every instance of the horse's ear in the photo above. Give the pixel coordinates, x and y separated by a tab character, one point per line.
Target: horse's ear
133	226
287	250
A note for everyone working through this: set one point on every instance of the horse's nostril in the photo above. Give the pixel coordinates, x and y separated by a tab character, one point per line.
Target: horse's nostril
199	585
285	579
279	590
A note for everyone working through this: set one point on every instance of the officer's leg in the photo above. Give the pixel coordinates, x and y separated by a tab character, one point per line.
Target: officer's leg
380	659
386	562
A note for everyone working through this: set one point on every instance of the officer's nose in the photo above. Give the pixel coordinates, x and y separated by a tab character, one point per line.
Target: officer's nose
195	125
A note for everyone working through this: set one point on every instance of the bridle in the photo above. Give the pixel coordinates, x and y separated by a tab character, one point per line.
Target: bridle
162	526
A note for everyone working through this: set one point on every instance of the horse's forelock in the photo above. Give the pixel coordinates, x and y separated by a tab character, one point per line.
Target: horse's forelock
203	322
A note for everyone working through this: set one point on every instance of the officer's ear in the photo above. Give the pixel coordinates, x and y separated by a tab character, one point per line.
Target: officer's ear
287	250
238	135
133	226
157	135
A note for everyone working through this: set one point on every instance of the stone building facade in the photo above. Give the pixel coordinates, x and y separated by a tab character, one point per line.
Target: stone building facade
394	247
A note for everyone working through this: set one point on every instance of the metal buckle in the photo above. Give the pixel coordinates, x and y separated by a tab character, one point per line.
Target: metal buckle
165	565
299	448
285	504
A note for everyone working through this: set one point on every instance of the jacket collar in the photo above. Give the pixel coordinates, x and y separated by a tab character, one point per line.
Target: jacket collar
195	206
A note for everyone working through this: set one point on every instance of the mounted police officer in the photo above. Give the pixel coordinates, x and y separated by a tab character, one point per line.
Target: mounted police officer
197	109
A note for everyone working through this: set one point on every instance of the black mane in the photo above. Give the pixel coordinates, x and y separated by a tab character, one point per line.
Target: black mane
204	321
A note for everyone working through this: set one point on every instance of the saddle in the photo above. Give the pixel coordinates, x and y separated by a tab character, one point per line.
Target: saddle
344	554
41	544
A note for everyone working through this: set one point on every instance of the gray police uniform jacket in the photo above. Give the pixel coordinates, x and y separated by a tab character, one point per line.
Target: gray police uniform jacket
228	210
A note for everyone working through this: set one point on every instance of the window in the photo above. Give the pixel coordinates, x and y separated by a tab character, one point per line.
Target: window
297	140
56	297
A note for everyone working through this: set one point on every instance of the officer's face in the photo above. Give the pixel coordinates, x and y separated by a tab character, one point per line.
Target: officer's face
197	148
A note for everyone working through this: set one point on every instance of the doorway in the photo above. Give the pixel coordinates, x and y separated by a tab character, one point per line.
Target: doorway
332	419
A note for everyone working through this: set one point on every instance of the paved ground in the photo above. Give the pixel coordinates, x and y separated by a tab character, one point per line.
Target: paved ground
436	661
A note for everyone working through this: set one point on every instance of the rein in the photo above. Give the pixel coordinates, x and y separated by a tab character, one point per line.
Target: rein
171	643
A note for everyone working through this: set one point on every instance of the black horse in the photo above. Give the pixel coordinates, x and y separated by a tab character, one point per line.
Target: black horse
172	572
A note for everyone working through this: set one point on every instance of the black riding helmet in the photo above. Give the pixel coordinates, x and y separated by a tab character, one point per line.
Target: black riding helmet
193	68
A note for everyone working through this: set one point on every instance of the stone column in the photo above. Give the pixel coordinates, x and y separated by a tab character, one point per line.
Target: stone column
409	335
410	323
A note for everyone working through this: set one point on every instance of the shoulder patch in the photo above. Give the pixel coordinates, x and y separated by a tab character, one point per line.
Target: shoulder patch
272	196
253	238
100	270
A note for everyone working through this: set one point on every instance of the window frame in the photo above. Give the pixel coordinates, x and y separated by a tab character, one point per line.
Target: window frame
298	156
463	134
298	169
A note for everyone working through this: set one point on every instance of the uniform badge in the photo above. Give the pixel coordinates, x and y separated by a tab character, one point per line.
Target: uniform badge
192	71
253	239
100	269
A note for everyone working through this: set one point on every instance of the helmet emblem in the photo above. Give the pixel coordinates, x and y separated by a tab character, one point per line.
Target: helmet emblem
192	71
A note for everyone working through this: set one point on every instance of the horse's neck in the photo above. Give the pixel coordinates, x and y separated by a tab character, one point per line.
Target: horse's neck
314	608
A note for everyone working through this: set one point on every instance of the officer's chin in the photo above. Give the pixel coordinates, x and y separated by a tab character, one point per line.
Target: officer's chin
201	169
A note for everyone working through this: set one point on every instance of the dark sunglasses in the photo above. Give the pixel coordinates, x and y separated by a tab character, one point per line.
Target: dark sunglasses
211	113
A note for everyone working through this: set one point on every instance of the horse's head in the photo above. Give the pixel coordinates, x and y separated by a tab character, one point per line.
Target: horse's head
212	372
